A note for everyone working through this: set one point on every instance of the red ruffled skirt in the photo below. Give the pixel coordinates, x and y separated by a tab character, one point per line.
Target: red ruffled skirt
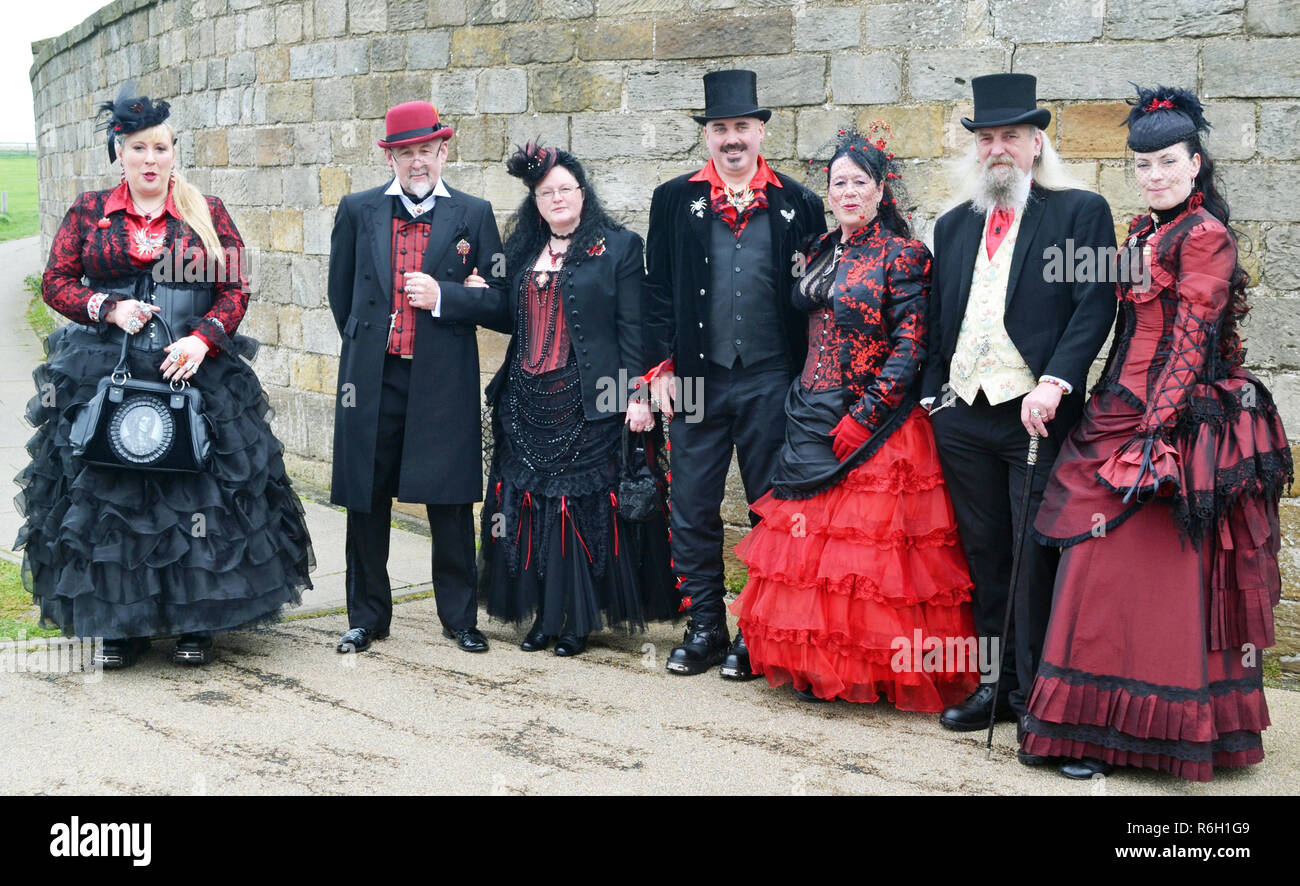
863	590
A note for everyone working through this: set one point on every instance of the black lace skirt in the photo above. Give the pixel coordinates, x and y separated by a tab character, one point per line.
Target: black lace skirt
552	541
115	553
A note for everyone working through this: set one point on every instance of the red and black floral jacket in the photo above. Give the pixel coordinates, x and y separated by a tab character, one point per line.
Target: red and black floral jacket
92	245
880	294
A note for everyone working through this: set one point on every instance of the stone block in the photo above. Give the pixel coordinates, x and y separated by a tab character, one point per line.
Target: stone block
1232	137
288	24
1262	193
456	92
428	50
615	40
286	230
388	53
503	91
945	74
720	36
333	99
577	87
868	79
241	69
817	30
1051	21
779	140
311	143
289	102
301	187
1282	258
1161	19
551	129
353	57
273	64
1071	72
405	15
478	138
319	334
1272	18
915	23
568	9
210	148
666	87
273	147
316	227
307	280
312	60
917	129
788	80
367	16
1093	130
612	136
335	183
528	44
370	96
1258	68
478	47
1279	130
446	12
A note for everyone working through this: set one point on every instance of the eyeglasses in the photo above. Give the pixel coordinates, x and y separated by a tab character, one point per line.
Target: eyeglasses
566	192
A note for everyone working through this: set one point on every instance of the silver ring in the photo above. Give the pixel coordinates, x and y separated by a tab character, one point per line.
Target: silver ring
1036	412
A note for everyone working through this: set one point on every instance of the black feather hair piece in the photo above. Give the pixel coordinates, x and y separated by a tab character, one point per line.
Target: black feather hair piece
1163	116
129	113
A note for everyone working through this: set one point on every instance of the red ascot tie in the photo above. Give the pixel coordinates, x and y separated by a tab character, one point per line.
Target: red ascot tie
1000	221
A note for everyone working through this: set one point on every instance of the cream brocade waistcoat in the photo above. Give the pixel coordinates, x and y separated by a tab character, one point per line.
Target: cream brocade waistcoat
985	356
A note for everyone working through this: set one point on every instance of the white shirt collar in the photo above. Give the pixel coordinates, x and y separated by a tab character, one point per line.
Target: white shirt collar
418	209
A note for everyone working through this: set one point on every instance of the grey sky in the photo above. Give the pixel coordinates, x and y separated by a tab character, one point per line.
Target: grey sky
25	22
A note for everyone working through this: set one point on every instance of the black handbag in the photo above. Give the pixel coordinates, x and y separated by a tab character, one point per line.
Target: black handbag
147	425
640	496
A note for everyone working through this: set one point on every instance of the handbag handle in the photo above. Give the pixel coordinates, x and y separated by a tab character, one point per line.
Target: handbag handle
120	369
644	440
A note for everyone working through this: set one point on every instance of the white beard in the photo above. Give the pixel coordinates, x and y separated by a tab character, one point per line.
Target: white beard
420	188
1001	186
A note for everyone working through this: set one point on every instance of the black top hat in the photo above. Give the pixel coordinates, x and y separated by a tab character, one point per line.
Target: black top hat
1006	100
731	94
1162	117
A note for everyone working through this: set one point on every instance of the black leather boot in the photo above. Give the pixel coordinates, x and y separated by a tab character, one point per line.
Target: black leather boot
973	713
703	646
193	649
735	666
536	639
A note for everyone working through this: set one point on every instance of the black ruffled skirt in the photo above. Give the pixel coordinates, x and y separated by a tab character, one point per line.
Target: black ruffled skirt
125	553
553	542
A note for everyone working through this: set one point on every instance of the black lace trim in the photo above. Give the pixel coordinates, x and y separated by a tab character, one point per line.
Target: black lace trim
1110	682
1267	475
1111	738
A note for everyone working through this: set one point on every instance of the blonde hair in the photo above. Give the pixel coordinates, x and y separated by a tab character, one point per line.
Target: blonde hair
1048	172
189	200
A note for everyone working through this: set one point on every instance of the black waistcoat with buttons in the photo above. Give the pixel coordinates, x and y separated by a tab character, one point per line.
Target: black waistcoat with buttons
744	319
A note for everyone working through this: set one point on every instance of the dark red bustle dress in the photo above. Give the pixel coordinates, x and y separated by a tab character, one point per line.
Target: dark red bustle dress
1164	598
856	573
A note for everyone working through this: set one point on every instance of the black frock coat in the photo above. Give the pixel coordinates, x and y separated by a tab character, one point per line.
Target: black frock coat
442	446
1057	325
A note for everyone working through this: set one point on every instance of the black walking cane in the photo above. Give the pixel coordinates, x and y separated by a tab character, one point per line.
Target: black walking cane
1031	459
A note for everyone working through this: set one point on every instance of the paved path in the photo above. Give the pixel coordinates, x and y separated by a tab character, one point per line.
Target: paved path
280	712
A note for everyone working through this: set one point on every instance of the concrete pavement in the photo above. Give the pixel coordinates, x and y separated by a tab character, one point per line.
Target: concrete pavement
279	712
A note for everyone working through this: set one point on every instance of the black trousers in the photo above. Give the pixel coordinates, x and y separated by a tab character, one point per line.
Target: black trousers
982	449
455	576
742	407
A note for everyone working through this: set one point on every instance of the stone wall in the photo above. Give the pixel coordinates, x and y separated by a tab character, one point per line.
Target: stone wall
280	103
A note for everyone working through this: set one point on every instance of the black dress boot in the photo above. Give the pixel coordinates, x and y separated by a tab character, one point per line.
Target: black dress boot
536	639
1026	758
973	713
703	646
735	666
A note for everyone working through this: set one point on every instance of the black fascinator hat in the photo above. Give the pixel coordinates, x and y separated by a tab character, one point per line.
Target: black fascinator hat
1162	117
531	162
129	113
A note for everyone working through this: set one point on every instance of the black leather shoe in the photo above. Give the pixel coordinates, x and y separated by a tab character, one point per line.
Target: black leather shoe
1085	768
735	666
807	695
570	644
468	639
118	654
701	649
359	639
1026	758
973	713
536	639
193	649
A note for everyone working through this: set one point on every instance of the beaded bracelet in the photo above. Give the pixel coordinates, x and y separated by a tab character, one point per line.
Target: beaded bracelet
1054	381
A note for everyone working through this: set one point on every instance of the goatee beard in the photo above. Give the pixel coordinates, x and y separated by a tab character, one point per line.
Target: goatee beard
419	190
1003	186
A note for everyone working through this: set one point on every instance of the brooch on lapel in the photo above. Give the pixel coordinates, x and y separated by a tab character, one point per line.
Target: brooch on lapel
462	249
597	248
788	215
103	223
697	207
147	246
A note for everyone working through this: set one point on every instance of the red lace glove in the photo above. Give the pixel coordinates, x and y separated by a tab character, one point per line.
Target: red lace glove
847	436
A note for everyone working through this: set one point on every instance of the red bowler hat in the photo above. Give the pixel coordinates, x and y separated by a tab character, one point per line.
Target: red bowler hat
412	122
